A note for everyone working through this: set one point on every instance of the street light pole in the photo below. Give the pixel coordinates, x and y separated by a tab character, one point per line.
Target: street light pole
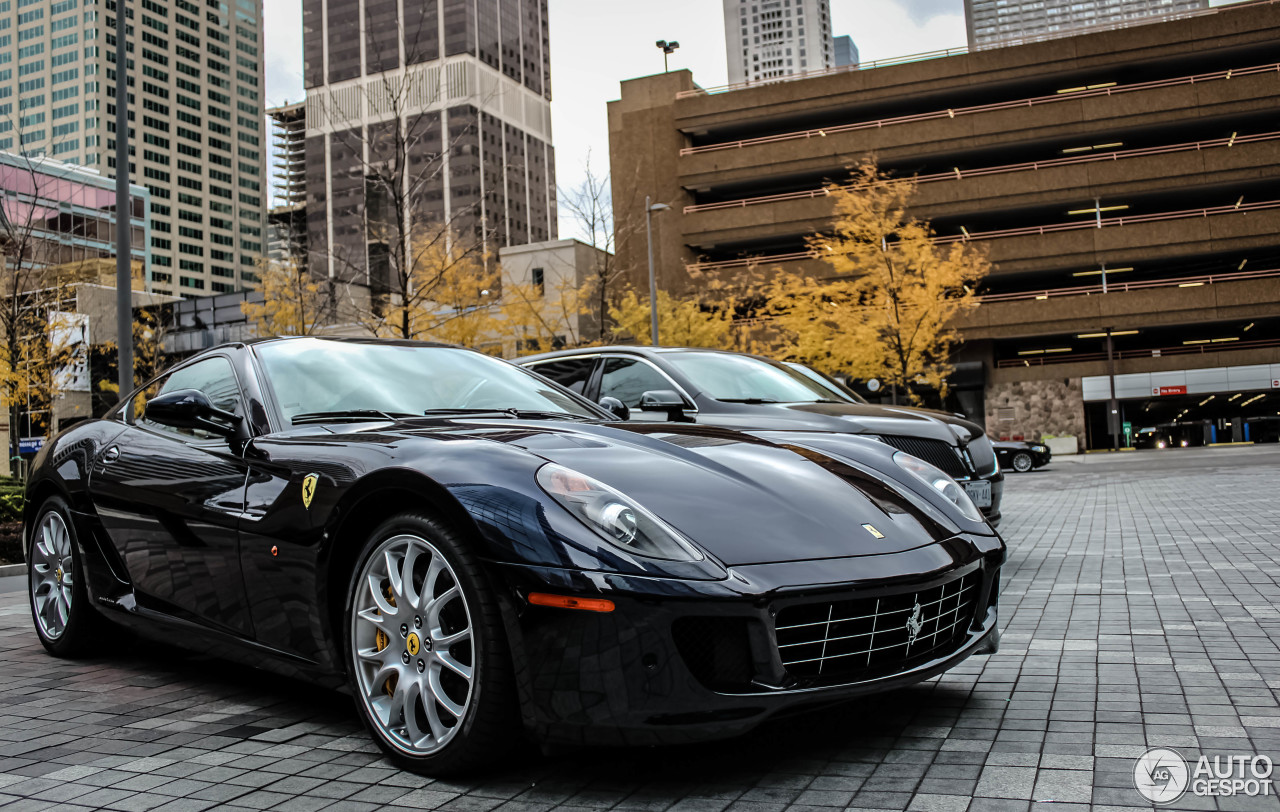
649	208
666	48
124	211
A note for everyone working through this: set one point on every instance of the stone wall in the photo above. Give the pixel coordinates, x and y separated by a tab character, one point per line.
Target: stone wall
1033	409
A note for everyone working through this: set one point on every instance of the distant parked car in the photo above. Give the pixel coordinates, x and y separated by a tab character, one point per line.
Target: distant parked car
1021	457
738	391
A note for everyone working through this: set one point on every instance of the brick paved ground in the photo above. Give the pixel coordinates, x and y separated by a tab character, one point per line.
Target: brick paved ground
1140	608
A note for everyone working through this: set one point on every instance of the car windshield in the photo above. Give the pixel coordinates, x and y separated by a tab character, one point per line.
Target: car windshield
729	377
311	376
838	389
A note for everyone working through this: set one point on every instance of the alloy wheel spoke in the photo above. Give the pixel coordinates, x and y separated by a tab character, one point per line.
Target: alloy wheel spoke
435	605
438	727
379	600
437	690
443	642
447	660
412	697
407	562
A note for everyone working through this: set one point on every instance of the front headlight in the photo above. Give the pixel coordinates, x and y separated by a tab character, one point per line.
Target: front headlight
938	480
1039	449
615	517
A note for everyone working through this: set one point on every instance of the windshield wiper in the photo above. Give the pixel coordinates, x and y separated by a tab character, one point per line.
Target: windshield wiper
749	401
348	414
515	414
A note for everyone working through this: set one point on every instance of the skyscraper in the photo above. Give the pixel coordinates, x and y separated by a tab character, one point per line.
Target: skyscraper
453	96
765	39
993	23
846	52
196	112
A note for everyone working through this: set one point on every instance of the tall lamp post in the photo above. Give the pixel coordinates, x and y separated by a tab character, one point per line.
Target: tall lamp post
649	208
667	49
124	213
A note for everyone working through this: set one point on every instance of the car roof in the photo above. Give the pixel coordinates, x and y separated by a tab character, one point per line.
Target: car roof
628	349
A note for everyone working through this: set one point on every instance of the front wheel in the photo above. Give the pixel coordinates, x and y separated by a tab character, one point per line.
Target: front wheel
427	655
65	622
1022	462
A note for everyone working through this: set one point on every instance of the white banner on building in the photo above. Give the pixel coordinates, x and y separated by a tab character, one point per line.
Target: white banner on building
69	336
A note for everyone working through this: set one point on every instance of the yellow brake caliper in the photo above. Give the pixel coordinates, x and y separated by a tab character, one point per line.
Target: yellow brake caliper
382	641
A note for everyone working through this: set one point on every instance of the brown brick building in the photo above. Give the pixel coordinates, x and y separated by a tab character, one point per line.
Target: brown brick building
1152	152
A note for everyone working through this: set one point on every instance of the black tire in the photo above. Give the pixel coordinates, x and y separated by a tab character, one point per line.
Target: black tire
490	723
82	633
1022	462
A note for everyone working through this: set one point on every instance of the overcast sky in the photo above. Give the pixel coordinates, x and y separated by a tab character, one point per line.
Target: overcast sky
595	44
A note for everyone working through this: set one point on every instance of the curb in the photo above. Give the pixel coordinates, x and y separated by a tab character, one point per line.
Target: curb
8	570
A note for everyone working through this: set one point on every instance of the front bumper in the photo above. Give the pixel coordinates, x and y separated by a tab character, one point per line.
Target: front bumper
639	676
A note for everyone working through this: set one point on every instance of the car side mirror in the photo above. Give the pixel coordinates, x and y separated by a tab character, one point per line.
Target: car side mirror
664	400
191	409
615	407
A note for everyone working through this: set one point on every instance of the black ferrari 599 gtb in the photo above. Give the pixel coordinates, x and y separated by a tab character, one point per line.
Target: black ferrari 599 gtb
470	549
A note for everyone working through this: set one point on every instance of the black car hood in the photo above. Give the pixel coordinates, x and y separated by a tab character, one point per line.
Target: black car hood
744	499
858	418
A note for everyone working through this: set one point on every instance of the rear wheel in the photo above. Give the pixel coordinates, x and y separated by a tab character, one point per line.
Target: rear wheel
65	622
427	654
1022	462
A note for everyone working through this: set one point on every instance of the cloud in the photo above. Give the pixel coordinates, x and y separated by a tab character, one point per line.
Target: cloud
282	27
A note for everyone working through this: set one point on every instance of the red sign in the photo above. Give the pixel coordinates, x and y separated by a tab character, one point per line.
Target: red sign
1169	390
1275	384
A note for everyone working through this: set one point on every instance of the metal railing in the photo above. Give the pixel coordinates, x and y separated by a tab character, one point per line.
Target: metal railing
1153	352
977	236
1113	90
962	174
1125	287
795	77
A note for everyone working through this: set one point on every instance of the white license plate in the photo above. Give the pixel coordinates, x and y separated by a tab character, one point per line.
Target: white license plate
979	492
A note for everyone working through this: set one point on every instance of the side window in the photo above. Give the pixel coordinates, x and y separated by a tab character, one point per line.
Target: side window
627	379
571	373
214	377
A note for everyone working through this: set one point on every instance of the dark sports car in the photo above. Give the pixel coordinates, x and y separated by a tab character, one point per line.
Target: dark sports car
1020	456
739	391
469	549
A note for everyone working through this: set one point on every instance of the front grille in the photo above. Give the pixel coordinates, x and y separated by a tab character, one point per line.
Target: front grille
934	452
864	638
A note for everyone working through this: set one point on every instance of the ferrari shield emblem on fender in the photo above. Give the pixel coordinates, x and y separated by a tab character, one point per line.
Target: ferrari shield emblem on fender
309	489
873	531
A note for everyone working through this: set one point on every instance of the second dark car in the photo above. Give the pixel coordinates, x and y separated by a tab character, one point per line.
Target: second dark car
1021	456
739	391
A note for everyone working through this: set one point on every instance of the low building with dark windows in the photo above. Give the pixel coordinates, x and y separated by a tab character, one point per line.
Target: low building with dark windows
1122	181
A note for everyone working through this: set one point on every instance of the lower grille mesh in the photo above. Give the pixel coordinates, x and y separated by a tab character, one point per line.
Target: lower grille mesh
867	637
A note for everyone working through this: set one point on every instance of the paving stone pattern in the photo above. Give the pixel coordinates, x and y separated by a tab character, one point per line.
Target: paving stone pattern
1139	608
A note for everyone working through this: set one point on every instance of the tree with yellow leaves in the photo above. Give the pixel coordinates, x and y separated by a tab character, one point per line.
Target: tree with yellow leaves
149	357
684	322
887	310
446	288
294	301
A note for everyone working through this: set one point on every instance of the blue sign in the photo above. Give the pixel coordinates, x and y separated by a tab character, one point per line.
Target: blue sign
30	445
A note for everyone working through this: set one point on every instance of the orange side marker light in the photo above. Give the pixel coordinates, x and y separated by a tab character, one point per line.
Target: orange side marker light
566	602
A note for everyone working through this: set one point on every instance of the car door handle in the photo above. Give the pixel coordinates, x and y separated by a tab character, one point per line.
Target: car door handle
111	454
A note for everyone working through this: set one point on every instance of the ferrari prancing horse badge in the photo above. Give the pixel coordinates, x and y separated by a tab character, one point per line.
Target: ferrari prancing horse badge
309	489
